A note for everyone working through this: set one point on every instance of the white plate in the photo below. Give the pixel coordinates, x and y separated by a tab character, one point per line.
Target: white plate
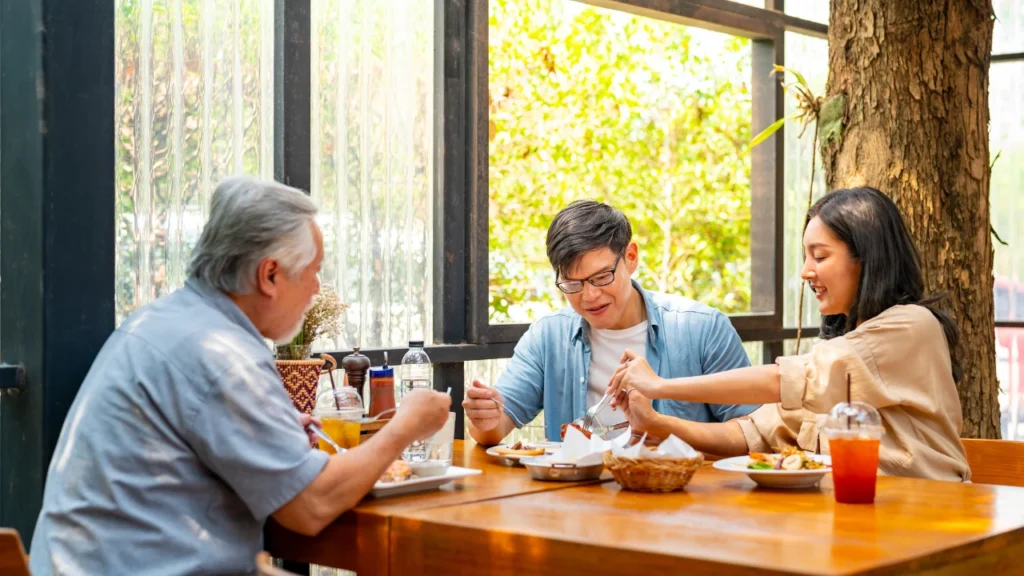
778	478
512	459
421	484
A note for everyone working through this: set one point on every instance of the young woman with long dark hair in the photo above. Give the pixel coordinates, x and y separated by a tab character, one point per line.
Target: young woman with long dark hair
878	327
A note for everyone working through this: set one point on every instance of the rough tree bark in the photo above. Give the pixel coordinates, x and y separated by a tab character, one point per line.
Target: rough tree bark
911	80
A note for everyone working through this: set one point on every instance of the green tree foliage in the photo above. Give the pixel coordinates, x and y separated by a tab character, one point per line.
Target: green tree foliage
650	117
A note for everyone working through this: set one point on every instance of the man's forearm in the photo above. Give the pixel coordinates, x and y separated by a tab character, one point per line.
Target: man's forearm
344	481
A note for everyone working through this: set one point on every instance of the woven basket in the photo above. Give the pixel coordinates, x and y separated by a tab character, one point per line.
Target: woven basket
652	474
302	378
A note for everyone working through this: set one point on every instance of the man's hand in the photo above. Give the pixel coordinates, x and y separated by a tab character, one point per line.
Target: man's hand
481	407
421	414
305	420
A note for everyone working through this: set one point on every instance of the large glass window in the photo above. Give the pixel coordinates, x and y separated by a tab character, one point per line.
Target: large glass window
649	116
1006	145
194	103
809	57
372	148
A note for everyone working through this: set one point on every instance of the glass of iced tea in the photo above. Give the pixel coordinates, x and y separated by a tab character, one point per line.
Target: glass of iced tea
341	412
854	433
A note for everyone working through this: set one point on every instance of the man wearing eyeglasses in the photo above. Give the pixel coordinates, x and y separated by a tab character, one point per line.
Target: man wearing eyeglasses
563	363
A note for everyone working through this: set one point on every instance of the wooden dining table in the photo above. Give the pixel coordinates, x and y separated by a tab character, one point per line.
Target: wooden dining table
721	524
360	539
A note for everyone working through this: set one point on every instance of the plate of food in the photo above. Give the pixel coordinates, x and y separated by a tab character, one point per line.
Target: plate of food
791	468
399	478
511	453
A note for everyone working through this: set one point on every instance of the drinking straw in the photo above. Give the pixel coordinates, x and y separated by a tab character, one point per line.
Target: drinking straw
848	397
334	389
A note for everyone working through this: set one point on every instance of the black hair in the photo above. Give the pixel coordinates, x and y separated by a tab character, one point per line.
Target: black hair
870	225
585	226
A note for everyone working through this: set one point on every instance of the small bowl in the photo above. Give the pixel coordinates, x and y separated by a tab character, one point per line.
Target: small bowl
543	468
428	468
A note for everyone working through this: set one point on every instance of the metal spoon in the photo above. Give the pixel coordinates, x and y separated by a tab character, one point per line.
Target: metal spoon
323	436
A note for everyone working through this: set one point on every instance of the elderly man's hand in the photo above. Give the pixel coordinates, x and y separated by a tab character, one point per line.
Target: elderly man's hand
422	413
304	421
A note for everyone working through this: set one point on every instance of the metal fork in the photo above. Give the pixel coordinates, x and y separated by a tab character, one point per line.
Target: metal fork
588	419
509	412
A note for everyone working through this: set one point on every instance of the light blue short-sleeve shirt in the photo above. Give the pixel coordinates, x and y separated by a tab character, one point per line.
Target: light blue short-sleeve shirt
180	443
549	369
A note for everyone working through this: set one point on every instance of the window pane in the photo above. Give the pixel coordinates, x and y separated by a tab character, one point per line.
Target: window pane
755	351
487	372
372	148
649	116
1008	32
194	103
807	340
1009	363
809	56
1006	140
813	10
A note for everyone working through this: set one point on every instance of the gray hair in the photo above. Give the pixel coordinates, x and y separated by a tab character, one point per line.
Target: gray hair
250	220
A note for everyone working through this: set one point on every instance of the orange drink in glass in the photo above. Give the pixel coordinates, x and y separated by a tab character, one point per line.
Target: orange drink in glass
342	428
854	469
340	410
854	432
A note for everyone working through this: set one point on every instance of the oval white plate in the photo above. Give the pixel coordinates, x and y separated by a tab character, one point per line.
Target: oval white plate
381	489
549	448
778	478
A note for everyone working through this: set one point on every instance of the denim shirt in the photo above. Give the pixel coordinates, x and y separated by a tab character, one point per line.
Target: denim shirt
549	369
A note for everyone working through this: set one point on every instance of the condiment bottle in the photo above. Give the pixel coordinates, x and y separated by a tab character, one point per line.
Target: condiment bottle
382	389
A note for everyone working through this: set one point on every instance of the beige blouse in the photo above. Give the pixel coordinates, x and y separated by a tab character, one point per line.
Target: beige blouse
899	363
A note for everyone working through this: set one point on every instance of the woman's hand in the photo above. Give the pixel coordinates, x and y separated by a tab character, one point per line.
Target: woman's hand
641	415
634	373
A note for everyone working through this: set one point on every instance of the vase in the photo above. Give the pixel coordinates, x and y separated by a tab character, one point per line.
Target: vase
302	378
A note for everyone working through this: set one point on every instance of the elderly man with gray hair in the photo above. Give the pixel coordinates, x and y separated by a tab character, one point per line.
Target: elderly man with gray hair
182	441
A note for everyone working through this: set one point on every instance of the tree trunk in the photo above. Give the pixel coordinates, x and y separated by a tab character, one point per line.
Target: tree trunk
913	80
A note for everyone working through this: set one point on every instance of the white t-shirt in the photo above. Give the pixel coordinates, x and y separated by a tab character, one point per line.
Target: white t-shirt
606	348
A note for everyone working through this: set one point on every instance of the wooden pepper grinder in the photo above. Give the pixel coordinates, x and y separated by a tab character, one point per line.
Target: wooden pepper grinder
356	365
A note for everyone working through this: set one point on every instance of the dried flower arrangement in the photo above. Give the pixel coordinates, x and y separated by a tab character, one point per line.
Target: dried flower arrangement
322	319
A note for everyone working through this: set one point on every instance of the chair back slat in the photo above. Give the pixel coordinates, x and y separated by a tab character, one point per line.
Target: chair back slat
13	561
995	461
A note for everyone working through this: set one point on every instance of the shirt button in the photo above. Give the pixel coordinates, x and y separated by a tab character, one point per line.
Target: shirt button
581	379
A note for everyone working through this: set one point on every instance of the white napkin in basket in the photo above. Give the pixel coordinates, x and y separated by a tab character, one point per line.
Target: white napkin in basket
583	451
671	447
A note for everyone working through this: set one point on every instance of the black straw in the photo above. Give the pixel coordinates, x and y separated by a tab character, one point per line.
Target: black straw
848	400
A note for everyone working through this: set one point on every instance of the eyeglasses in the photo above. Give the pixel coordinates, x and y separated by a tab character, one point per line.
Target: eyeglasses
599	279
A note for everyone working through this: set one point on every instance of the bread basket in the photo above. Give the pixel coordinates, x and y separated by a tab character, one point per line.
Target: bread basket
652	474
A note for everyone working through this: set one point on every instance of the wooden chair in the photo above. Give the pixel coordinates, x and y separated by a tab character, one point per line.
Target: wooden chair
13	560
265	566
995	461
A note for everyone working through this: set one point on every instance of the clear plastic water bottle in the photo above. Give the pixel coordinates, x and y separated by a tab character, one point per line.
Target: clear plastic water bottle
416	373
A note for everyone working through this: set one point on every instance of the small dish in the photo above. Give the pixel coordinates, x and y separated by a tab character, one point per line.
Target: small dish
429	468
543	468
